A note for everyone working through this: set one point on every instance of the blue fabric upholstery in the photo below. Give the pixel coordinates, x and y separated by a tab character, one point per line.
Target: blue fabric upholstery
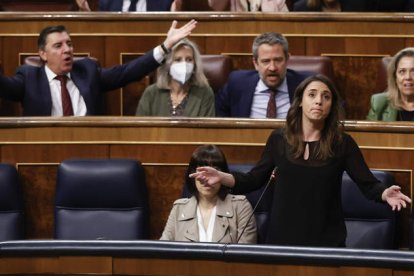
11	204
101	199
262	212
369	224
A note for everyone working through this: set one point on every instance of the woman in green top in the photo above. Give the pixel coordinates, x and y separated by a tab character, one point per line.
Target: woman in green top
397	103
181	89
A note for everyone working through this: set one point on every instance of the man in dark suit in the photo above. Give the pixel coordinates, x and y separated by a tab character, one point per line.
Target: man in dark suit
251	93
42	94
128	5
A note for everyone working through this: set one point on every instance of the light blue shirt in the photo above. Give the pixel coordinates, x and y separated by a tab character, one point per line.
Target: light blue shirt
261	98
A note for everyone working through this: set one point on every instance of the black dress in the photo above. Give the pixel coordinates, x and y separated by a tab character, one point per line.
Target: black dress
306	208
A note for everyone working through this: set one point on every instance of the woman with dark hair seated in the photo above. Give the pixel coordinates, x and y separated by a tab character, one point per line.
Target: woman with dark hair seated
211	214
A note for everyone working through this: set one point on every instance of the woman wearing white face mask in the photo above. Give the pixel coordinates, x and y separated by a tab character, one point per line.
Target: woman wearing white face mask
181	89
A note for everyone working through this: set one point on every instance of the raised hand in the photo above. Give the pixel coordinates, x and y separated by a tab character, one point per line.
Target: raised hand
176	34
207	175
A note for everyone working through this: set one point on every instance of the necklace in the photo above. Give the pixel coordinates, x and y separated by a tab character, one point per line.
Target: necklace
177	103
176	99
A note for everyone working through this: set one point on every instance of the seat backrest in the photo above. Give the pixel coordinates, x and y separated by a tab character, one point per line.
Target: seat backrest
38	5
315	64
217	69
262	212
382	75
191	5
37	61
101	199
11	204
369	224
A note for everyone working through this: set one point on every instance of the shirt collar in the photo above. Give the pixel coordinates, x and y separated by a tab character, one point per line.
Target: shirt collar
262	87
51	75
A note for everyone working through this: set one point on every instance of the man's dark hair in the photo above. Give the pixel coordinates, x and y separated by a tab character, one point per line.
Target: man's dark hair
41	42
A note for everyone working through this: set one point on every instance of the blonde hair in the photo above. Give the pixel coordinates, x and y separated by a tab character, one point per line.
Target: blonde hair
394	95
197	79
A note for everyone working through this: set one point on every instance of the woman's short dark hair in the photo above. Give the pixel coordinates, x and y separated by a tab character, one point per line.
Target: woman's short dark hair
206	155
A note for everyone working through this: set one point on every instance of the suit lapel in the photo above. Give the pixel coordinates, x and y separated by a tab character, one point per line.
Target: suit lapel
79	78
248	94
45	93
188	217
192	231
223	213
390	114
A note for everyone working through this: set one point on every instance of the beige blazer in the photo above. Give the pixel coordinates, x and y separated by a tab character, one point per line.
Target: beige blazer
231	217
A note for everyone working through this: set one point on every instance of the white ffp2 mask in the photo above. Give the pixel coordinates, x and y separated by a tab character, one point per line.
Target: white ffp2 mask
181	71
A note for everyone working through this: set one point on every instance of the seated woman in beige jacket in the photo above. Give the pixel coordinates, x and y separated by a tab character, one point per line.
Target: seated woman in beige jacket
211	214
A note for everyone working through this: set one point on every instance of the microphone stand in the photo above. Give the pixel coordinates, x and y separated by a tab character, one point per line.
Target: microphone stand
272	176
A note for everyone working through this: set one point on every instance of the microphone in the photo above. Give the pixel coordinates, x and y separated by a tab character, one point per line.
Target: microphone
272	176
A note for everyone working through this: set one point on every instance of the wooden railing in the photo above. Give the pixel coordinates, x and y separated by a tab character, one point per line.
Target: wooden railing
184	258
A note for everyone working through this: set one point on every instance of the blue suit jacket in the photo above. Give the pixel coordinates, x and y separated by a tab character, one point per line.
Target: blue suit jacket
236	97
30	85
152	5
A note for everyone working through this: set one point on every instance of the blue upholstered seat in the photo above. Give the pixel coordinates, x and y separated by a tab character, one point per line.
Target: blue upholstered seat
369	224
262	212
11	204
101	199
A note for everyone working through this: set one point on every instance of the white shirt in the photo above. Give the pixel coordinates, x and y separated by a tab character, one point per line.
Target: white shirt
78	104
206	235
141	5
261	98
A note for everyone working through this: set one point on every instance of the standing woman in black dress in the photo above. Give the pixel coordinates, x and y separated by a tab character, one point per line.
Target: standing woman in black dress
311	153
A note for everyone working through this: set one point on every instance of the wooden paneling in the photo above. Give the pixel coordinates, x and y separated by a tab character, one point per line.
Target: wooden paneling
354	42
87	265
